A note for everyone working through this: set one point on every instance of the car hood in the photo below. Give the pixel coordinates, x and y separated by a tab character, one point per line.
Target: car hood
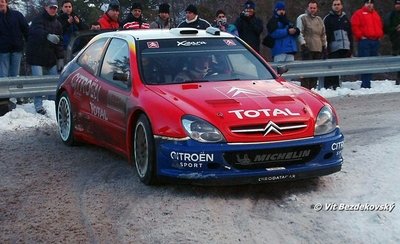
248	111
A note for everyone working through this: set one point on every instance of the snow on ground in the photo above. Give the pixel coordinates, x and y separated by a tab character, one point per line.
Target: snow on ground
24	116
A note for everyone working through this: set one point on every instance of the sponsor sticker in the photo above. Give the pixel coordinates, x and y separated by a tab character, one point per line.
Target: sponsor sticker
153	44
229	42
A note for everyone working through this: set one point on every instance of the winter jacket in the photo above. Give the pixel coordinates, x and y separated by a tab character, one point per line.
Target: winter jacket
13	30
278	29
250	29
312	32
366	24
41	51
107	23
70	28
131	22
392	20
197	23
160	24
338	32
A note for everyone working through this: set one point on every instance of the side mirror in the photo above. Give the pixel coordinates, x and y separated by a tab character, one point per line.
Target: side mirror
120	77
282	69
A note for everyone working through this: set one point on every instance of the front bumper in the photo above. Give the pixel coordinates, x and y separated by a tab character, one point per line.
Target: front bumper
233	164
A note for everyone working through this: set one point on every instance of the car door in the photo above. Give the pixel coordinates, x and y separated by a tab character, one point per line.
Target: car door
116	84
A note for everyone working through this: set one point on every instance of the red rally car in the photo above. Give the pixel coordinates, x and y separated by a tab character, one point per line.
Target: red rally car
195	105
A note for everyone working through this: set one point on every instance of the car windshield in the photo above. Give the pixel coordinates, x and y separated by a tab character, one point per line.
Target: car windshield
174	61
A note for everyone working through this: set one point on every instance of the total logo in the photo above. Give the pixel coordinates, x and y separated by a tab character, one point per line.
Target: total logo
240	114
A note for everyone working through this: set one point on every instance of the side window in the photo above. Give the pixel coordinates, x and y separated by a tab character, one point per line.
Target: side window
90	59
116	64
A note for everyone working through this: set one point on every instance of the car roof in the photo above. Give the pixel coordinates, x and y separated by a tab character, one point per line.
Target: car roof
174	33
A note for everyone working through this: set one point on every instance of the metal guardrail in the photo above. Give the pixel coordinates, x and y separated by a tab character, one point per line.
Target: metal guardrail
29	86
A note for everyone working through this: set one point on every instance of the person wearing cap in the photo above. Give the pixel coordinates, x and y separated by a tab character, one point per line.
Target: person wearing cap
367	29
69	21
109	20
284	34
392	29
135	20
193	20
312	38
249	26
163	20
339	38
221	23
44	50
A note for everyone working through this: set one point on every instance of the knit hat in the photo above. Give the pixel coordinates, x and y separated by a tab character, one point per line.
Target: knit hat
396	2
219	11
191	8
250	5
136	6
52	3
113	5
163	8
368	1
280	6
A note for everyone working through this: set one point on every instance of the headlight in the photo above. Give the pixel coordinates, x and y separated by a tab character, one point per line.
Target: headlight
326	121
200	130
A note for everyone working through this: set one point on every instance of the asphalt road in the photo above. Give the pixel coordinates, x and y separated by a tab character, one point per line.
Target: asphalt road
53	193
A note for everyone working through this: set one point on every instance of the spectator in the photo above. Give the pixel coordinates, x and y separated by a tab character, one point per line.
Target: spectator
392	29
163	20
193	20
367	29
312	38
135	20
222	24
13	31
109	20
45	46
95	26
284	34
70	22
249	26
339	38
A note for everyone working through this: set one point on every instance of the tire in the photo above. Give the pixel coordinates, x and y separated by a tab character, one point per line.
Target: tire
144	151
64	120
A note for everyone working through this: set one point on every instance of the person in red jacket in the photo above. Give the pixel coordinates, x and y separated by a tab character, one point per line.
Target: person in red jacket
367	29
109	20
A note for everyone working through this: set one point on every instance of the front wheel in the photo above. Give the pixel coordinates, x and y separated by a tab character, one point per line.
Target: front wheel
64	120
144	151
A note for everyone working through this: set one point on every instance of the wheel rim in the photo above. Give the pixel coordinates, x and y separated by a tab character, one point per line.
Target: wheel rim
64	118
141	150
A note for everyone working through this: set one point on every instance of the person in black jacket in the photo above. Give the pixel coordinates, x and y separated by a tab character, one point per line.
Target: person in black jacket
70	22
13	31
249	26
193	20
339	38
392	29
45	46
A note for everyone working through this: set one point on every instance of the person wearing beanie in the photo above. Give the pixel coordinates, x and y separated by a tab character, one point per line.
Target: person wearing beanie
109	20
249	26
312	38
284	34
135	20
221	23
339	38
163	20
367	27
392	29
193	20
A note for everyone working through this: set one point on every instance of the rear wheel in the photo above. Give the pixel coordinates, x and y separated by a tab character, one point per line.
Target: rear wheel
144	151
64	120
